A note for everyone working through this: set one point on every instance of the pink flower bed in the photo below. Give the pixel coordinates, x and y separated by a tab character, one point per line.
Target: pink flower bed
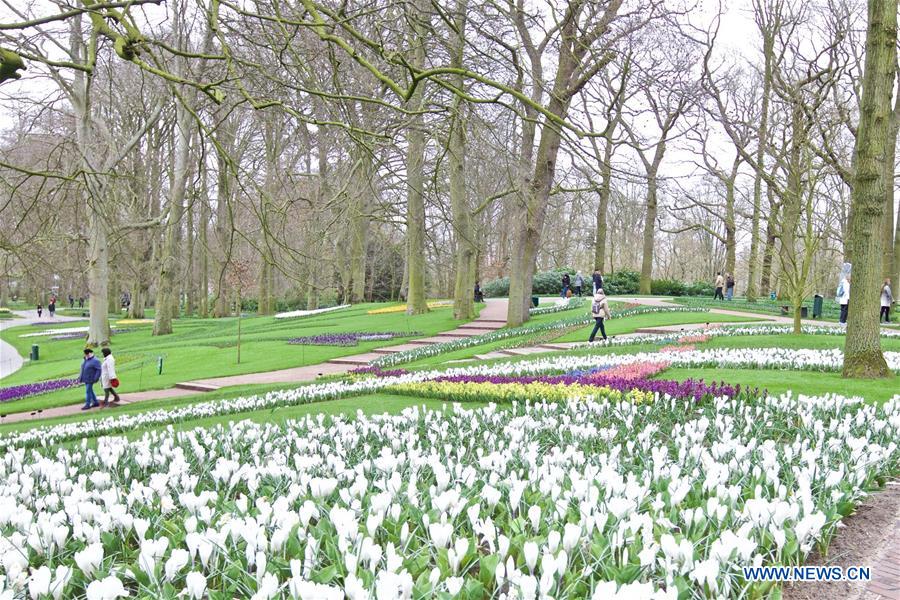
684	348
632	371
694	339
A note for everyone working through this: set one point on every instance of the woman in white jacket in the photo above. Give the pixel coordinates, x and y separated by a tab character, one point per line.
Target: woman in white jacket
107	374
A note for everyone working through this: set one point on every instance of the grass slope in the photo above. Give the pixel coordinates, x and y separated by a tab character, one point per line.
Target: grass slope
201	348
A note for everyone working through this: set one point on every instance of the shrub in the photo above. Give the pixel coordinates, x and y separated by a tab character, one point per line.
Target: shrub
667	287
622	282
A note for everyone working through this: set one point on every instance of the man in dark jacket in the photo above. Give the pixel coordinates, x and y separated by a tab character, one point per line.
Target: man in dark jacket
566	283
598	281
90	374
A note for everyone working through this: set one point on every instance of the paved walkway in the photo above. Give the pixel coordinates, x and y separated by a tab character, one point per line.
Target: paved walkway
10	361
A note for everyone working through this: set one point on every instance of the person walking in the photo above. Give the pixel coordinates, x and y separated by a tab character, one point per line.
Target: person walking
579	283
729	286
90	374
598	281
479	295
81	302
887	298
40	309
71	301
51	307
720	283
600	311
843	298
566	282
108	380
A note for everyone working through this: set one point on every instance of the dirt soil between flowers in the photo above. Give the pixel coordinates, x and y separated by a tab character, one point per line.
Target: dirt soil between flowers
867	535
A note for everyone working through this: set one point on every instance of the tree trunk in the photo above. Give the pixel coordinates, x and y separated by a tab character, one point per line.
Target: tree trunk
765	283
224	231
862	350
649	233
415	173
359	221
888	266
730	225
466	248
768	57
189	285
603	204
204	248
167	300
98	279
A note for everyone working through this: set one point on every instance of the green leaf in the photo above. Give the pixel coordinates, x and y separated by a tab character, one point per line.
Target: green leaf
488	568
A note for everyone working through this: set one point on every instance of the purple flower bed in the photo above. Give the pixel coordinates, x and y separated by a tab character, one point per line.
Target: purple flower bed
689	388
350	339
378	372
17	392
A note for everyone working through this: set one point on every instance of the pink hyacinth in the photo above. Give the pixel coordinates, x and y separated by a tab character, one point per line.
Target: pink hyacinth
632	371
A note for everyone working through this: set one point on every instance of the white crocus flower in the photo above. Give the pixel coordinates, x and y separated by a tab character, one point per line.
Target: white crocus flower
195	585
89	559
108	588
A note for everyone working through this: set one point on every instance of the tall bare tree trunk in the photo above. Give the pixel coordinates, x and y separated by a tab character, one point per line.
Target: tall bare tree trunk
603	204
862	350
189	283
359	222
466	248
167	300
649	233
226	132
204	250
415	171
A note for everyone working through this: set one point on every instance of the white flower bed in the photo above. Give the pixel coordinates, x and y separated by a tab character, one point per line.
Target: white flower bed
733	331
485	503
55	332
305	313
732	358
562	304
760	358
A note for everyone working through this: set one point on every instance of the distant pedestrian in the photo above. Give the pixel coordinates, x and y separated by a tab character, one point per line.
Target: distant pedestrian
108	380
71	301
598	281
40	310
720	283
887	298
479	295
843	298
600	311
81	302
579	283
51	307
566	282
729	286
90	374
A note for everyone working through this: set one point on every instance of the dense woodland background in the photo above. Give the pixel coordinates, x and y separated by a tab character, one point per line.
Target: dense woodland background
307	153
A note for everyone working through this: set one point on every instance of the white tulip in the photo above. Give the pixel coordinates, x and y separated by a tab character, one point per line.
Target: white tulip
89	559
108	588
531	555
195	585
39	582
178	559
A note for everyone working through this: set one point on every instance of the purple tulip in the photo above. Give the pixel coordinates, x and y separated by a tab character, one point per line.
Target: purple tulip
349	339
30	389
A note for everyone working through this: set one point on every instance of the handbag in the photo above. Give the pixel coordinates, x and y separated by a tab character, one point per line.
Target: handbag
114	382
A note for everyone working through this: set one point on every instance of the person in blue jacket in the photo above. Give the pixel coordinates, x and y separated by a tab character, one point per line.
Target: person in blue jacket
90	374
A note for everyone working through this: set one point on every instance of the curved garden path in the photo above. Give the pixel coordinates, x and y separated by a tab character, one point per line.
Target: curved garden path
10	360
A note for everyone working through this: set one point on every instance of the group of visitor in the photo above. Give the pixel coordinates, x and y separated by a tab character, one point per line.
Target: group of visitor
726	282
92	371
842	297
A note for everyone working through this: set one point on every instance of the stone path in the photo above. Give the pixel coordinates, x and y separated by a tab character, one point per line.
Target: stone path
10	361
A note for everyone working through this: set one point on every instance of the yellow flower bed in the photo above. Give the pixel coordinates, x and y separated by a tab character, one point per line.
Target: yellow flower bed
402	307
507	392
134	322
4	310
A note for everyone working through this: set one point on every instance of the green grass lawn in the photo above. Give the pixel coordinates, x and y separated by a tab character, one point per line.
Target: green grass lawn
203	348
831	310
800	382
